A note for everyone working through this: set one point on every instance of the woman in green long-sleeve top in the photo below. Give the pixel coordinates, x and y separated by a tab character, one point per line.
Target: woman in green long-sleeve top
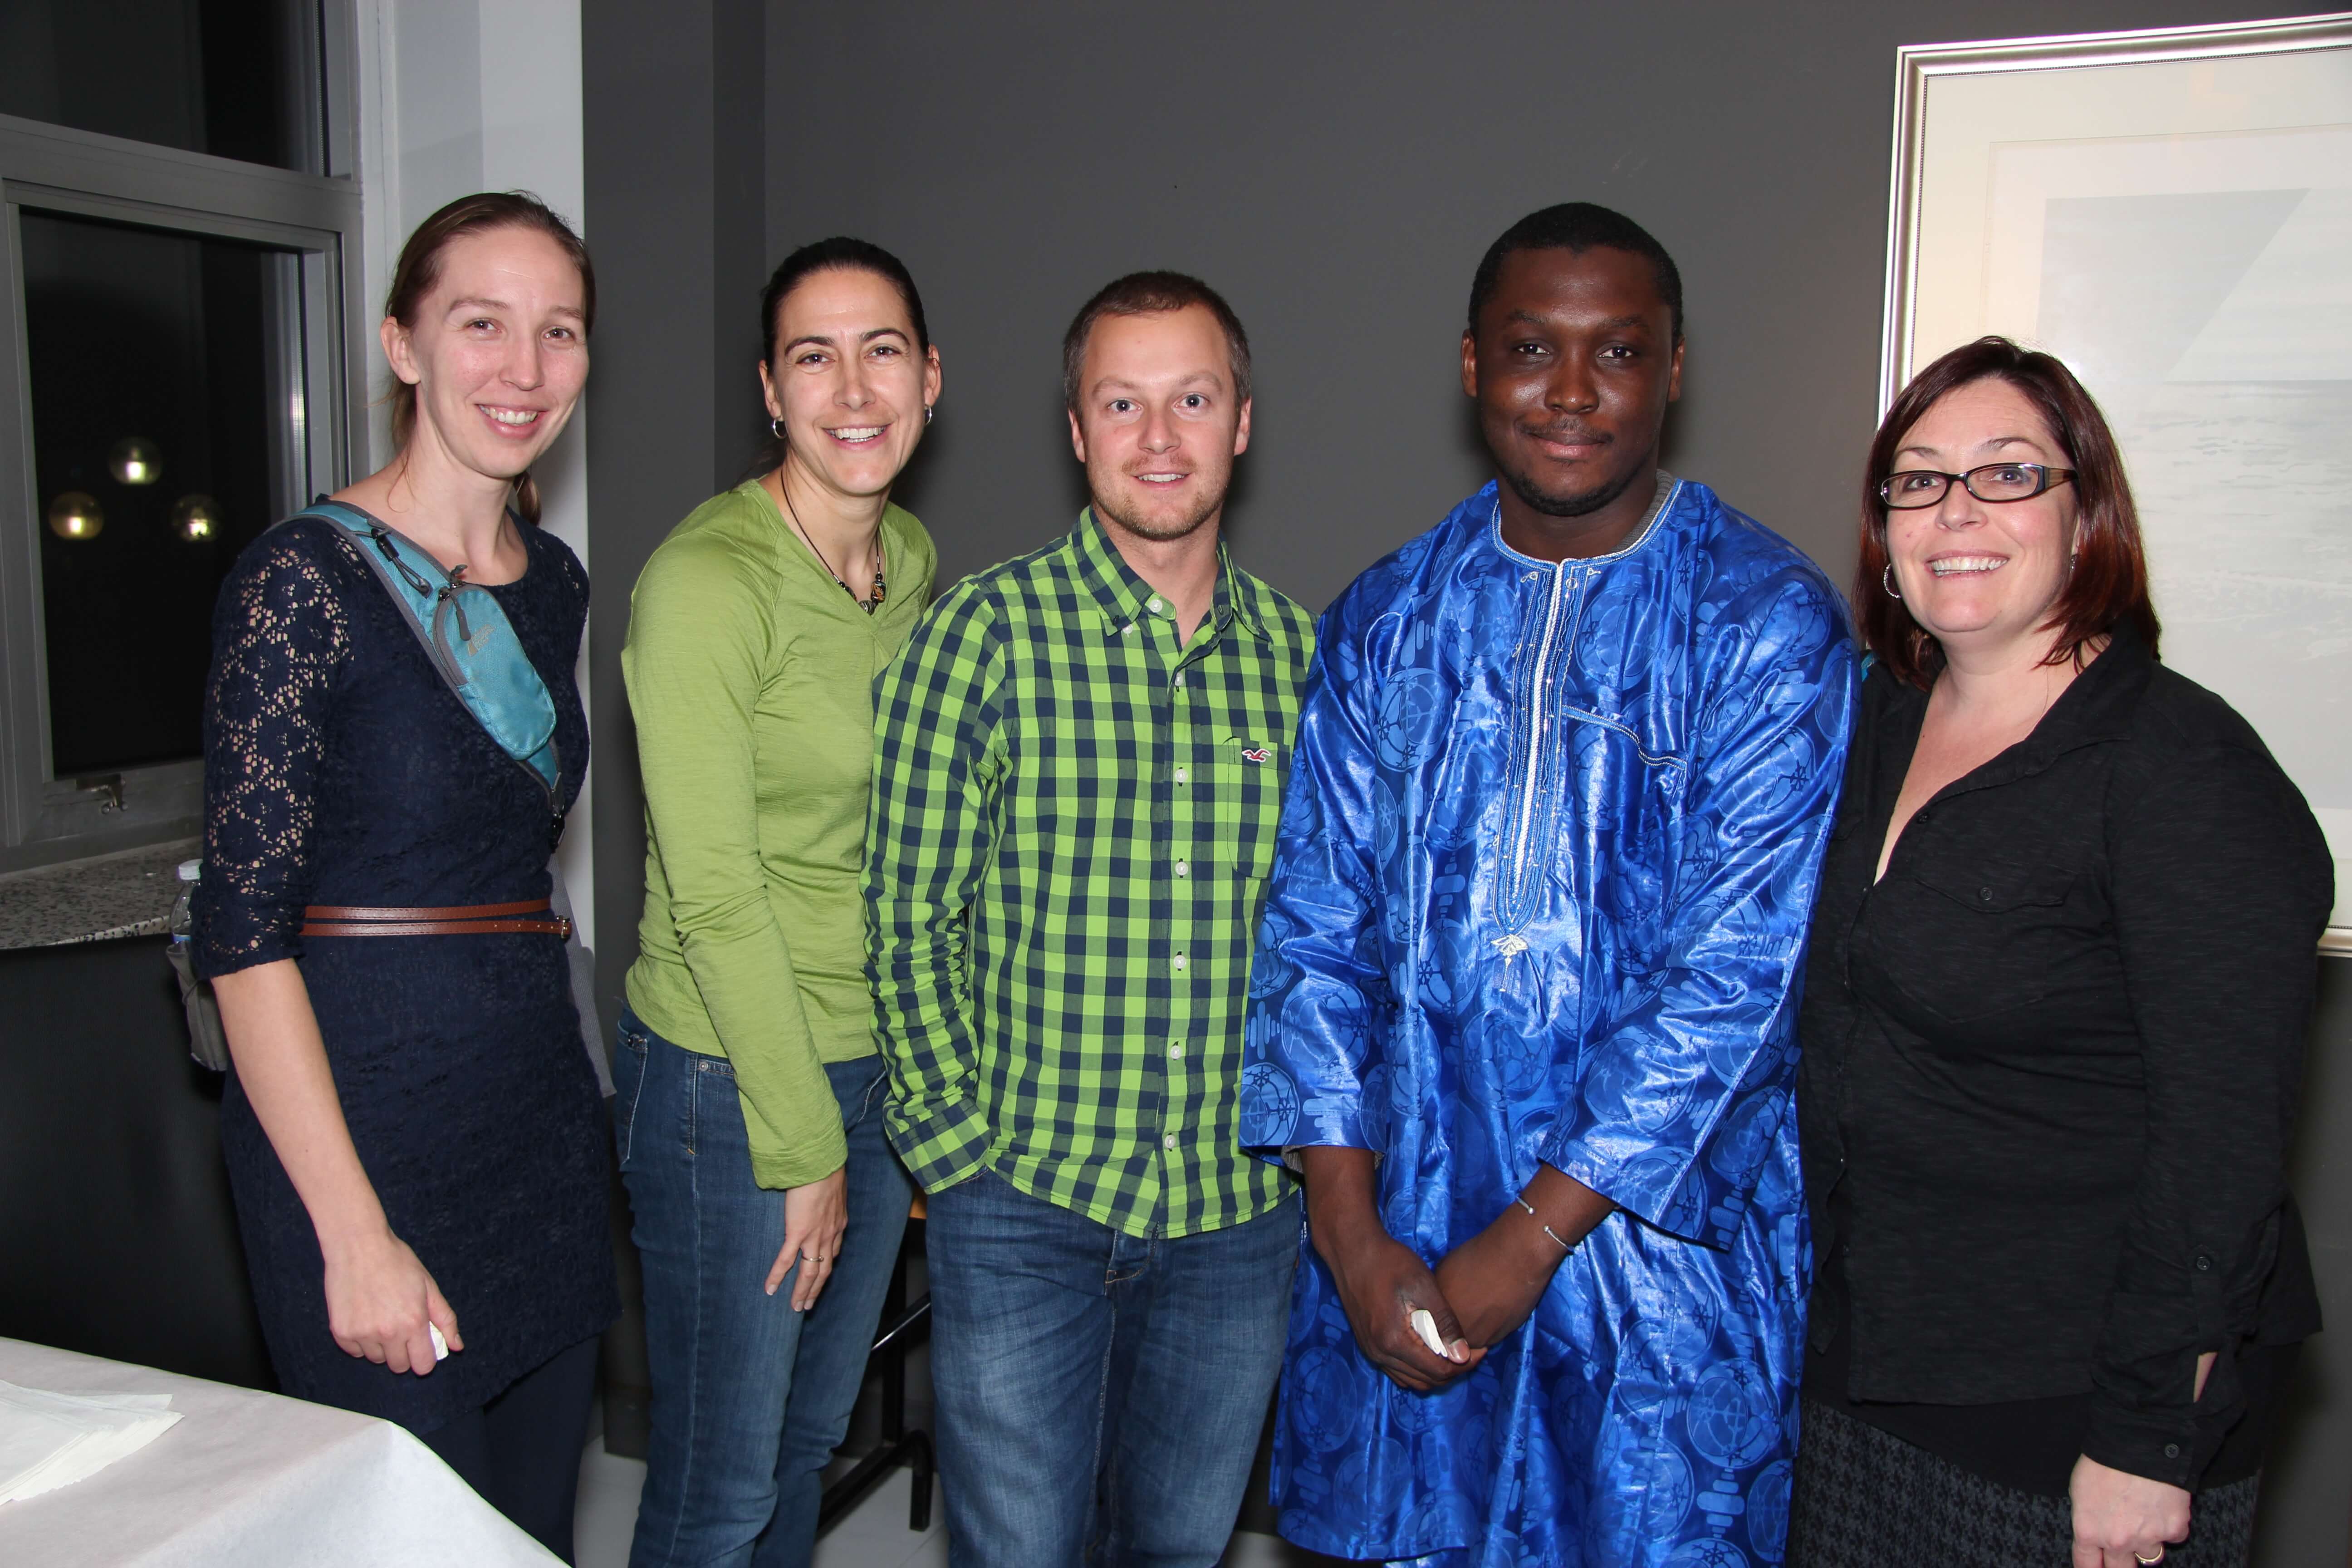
767	1204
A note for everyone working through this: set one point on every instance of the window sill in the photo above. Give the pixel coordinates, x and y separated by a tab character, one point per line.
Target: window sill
125	894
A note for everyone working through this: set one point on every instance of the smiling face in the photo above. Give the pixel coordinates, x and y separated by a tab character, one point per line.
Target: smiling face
1572	362
498	351
1158	424
845	376
1972	573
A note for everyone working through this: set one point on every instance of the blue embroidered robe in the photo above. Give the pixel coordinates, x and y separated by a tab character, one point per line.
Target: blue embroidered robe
1547	860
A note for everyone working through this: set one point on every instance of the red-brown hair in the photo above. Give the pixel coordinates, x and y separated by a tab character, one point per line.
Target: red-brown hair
419	268
2109	583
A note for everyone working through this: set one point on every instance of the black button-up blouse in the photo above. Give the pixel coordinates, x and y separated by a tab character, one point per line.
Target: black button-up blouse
2051	1064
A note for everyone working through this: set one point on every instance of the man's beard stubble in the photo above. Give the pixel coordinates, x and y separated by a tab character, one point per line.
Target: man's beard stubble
1163	533
1582	505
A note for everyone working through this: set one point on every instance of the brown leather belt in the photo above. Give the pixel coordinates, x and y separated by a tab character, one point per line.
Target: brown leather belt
532	917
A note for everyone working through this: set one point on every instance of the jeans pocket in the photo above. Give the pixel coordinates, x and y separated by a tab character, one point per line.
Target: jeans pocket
870	1100
629	1077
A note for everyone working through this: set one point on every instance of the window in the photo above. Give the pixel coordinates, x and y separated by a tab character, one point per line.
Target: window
177	372
238	79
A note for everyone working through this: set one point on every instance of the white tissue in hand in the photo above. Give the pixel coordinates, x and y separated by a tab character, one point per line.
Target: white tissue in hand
1424	1323
440	1345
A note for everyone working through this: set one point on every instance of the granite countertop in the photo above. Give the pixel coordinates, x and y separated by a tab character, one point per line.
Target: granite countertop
125	894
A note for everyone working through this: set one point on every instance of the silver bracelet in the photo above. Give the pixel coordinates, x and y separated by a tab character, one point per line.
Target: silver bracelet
1547	1230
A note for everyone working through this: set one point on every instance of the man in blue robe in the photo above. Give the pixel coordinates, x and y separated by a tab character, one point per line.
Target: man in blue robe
1524	1001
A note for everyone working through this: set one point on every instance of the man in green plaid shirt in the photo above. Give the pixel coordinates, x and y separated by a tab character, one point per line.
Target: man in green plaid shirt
1076	788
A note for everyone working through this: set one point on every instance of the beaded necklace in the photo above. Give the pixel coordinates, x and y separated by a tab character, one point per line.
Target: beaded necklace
880	590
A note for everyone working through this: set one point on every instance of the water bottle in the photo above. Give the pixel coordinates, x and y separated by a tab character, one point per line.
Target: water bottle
182	922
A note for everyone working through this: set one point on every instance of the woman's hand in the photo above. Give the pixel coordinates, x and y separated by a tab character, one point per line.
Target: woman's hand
380	1299
1382	1282
815	1216
2121	1518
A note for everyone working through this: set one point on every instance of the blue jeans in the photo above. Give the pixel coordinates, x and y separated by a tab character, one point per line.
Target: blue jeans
1100	1395
750	1398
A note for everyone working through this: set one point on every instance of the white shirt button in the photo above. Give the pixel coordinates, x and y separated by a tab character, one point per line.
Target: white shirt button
1184	867
1127	630
1168	1141
1176	1050
1179	963
1180	776
1179	678
1155	607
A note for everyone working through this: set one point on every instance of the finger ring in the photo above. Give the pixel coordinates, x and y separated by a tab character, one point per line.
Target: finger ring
2150	1560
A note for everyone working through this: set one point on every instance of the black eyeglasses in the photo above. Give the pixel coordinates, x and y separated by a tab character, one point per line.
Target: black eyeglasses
1996	482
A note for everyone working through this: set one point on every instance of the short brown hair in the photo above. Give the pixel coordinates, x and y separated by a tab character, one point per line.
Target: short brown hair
2109	583
419	269
1153	294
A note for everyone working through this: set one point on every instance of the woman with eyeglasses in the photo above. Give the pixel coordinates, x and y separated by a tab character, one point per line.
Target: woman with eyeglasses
769	1207
2061	974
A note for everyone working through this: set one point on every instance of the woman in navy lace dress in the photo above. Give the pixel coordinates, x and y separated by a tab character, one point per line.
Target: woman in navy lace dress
414	1132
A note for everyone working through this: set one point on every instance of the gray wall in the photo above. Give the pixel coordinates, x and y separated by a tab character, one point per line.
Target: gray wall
1336	171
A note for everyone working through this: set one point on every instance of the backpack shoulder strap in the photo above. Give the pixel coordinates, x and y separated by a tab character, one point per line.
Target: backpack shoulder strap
484	663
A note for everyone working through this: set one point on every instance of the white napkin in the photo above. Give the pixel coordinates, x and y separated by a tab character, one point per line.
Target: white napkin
50	1441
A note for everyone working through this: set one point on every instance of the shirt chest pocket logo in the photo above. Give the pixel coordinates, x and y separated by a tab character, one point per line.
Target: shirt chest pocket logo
1245	776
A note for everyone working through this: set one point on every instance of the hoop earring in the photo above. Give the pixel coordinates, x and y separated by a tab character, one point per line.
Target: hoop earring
1887	577
776	429
929	413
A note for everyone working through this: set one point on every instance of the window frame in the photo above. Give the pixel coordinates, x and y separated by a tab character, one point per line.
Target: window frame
82	173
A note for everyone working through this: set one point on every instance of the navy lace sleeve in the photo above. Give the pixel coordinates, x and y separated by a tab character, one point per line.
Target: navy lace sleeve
280	632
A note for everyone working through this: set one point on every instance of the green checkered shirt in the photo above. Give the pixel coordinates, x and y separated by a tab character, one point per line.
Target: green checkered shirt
1073	819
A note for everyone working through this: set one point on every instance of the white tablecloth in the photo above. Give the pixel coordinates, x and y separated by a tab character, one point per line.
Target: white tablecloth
250	1480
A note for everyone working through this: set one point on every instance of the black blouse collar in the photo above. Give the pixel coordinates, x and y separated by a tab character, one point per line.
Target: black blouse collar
2098	706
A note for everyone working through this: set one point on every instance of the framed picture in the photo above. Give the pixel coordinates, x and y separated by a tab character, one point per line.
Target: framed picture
2171	213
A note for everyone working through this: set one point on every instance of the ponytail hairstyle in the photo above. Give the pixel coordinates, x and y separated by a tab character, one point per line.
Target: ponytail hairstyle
420	268
839	254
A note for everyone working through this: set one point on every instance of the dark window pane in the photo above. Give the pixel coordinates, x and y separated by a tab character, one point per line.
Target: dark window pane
238	79
166	390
